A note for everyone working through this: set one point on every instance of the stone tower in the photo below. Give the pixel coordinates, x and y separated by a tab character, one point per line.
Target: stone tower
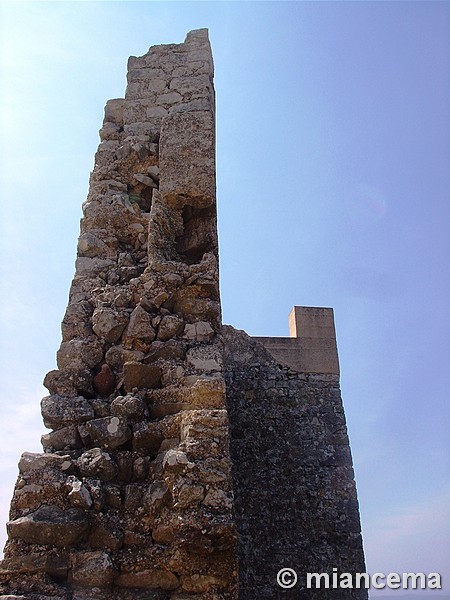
157	411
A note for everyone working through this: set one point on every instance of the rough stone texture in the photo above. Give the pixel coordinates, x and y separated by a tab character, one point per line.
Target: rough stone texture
295	496
133	423
133	497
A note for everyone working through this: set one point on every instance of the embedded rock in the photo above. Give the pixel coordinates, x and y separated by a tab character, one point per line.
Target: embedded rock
129	407
98	464
108	324
60	412
109	432
50	525
157	496
66	438
140	376
92	569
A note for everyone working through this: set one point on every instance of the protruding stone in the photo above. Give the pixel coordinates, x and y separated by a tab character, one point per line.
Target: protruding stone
93	569
109	432
163	534
200	331
129	407
189	495
147	436
97	463
157	496
66	438
50	525
114	111
169	327
108	324
30	462
139	332
79	354
175	460
78	493
60	412
34	563
117	356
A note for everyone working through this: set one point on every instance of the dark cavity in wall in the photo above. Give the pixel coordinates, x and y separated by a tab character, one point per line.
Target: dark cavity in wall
196	238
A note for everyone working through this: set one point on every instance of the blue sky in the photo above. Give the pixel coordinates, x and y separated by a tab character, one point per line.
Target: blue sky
333	146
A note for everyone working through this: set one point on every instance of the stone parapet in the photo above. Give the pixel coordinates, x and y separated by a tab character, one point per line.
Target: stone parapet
312	346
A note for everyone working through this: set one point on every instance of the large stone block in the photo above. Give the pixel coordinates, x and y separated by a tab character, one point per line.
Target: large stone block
187	160
92	569
50	525
140	376
58	411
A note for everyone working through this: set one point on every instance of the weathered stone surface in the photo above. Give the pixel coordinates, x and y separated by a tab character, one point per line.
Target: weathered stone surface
109	432
302	427
198	583
108	324
78	493
140	376
79	354
92	568
157	496
117	356
70	382
205	359
66	438
98	464
105	536
163	534
30	462
50	525
189	495
169	327
35	563
152	578
129	407
147	436
170	350
76	322
187	159
200	331
60	412
90	245
139	332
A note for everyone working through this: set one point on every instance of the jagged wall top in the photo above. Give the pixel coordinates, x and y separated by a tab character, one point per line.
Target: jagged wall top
152	506
170	78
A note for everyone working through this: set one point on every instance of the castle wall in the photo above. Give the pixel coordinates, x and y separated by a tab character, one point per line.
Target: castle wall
132	497
295	495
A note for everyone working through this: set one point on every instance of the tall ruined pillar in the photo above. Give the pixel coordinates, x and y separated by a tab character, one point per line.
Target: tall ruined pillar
132	497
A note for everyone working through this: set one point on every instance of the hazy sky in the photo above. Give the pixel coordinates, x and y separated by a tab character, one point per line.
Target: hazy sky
333	154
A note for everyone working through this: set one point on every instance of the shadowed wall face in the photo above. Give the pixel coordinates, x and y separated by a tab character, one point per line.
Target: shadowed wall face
295	495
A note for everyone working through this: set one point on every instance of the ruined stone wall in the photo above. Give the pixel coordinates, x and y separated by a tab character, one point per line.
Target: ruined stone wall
294	489
132	496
